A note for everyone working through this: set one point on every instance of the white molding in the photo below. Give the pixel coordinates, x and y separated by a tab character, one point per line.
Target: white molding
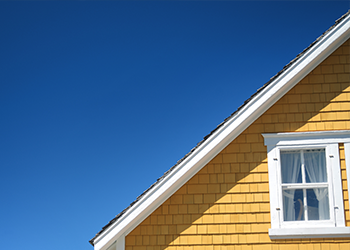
113	246
317	137
347	164
120	243
326	139
224	135
317	232
339	214
273	170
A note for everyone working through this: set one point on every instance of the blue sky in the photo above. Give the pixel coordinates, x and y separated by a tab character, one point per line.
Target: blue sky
99	99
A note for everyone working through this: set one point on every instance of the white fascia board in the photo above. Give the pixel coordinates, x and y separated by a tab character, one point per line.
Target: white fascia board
224	135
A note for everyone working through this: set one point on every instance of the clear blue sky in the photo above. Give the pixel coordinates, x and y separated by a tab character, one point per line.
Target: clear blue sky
99	99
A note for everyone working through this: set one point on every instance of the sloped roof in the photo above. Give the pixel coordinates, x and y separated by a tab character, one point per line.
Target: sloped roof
272	79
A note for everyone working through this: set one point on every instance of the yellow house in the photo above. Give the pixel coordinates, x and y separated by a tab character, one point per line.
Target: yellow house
273	175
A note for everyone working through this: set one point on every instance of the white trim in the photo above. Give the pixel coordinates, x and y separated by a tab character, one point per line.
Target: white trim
317	232
347	164
121	243
337	186
330	141
317	137
224	135
113	246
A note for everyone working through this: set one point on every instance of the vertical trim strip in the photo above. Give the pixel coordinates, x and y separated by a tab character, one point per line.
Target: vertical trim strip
337	185
347	164
121	243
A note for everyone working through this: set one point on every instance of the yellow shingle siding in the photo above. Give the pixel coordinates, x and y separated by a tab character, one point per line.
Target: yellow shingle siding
225	206
345	184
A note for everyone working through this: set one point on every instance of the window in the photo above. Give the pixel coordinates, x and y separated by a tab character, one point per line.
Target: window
306	198
304	185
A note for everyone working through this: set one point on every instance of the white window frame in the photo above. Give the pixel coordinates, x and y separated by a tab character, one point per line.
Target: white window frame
335	227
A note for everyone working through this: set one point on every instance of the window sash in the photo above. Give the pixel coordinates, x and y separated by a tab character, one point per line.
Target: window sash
304	185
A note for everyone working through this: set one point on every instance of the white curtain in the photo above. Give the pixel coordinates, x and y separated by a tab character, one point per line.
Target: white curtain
290	169
315	166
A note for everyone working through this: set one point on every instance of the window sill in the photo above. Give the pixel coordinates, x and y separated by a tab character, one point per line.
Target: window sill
320	232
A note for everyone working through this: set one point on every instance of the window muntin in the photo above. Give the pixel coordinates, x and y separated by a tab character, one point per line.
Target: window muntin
304	185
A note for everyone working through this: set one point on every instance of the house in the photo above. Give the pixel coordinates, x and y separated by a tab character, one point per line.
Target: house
273	175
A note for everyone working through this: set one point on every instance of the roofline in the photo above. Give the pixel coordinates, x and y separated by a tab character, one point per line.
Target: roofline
223	135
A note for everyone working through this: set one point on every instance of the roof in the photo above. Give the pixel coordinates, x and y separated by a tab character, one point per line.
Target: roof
292	65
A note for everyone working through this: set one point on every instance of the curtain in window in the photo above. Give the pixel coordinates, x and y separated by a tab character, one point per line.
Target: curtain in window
315	167
290	169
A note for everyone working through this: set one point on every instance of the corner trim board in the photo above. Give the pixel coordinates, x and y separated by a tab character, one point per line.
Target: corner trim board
347	163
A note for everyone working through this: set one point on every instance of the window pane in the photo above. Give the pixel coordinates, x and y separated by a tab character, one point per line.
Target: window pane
315	165
293	208
318	204
290	167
